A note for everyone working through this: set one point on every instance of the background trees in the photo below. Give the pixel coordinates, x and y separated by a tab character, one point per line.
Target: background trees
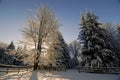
117	41
117	35
74	48
98	44
11	46
97	50
3	45
113	32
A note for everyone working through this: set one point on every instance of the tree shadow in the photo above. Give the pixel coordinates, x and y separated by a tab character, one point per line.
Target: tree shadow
20	76
34	76
66	75
58	75
14	76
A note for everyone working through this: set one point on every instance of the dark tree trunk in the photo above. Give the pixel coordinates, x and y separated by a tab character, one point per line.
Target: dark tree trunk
37	60
37	56
35	66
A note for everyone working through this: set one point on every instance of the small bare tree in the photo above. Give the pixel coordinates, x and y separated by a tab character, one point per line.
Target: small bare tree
38	29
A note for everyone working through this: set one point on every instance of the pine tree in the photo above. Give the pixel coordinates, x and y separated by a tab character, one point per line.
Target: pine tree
118	32
5	57
97	50
114	35
11	46
117	41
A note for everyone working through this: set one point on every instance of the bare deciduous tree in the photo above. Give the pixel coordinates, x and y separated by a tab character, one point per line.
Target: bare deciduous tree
38	29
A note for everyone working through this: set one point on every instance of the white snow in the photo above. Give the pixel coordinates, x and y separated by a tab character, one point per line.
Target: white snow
54	75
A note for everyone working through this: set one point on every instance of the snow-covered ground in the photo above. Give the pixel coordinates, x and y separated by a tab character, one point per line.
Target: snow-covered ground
54	75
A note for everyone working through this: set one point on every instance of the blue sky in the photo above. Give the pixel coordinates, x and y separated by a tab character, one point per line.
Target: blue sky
14	14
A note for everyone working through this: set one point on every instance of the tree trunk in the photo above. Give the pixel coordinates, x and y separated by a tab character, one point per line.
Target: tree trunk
35	66
37	56
37	60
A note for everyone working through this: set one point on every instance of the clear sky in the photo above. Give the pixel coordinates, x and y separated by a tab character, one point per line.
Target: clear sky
14	13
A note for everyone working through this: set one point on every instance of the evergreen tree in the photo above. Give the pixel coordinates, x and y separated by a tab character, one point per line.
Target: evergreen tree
117	41
11	45
5	57
118	32
97	50
113	31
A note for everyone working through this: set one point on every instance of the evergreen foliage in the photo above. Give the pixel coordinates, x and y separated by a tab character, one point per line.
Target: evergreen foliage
97	50
11	45
117	41
118	32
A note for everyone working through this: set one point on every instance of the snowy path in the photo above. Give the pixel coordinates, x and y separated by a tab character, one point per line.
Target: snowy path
54	75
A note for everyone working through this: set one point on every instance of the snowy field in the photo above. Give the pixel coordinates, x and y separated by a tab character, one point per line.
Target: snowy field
54	75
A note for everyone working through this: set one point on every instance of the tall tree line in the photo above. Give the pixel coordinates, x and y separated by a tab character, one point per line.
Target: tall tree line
97	44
